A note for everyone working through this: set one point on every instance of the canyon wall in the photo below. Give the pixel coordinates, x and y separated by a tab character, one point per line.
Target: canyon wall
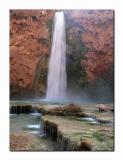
90	42
90	48
30	41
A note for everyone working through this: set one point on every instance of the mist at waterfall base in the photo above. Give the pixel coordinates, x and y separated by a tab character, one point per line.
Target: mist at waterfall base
75	95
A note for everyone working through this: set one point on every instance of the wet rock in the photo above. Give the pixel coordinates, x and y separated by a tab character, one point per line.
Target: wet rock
102	107
70	109
70	131
74	135
18	109
84	145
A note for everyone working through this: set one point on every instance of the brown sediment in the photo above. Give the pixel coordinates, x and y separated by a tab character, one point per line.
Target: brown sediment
20	142
28	142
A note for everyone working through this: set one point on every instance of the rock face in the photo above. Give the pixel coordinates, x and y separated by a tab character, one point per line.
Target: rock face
90	42
89	47
79	136
30	33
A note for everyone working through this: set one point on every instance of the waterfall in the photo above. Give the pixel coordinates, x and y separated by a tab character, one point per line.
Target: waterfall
56	81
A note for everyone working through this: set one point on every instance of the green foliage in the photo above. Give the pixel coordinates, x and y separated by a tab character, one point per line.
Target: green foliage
41	74
49	25
73	71
76	44
83	78
99	136
76	73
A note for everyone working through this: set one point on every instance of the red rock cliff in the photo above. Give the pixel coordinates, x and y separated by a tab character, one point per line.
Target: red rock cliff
29	40
89	48
95	30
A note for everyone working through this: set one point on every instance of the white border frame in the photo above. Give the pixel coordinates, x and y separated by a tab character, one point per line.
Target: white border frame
5	6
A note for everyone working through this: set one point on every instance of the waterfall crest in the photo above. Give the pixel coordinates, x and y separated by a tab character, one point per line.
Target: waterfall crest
56	81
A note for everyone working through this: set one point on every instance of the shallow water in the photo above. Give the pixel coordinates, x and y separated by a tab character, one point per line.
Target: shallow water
26	123
90	120
31	124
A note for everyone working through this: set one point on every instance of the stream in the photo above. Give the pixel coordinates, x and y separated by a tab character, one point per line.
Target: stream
27	129
31	124
26	122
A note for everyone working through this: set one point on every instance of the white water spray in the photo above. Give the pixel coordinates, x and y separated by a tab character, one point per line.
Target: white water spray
56	82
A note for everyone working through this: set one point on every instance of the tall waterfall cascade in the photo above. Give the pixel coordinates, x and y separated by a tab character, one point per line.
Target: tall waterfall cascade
56	81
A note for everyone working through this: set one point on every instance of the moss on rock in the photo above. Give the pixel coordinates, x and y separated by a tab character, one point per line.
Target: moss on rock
41	74
78	135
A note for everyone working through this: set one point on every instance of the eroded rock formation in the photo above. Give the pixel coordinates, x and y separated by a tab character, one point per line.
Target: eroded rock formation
90	42
89	47
30	33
